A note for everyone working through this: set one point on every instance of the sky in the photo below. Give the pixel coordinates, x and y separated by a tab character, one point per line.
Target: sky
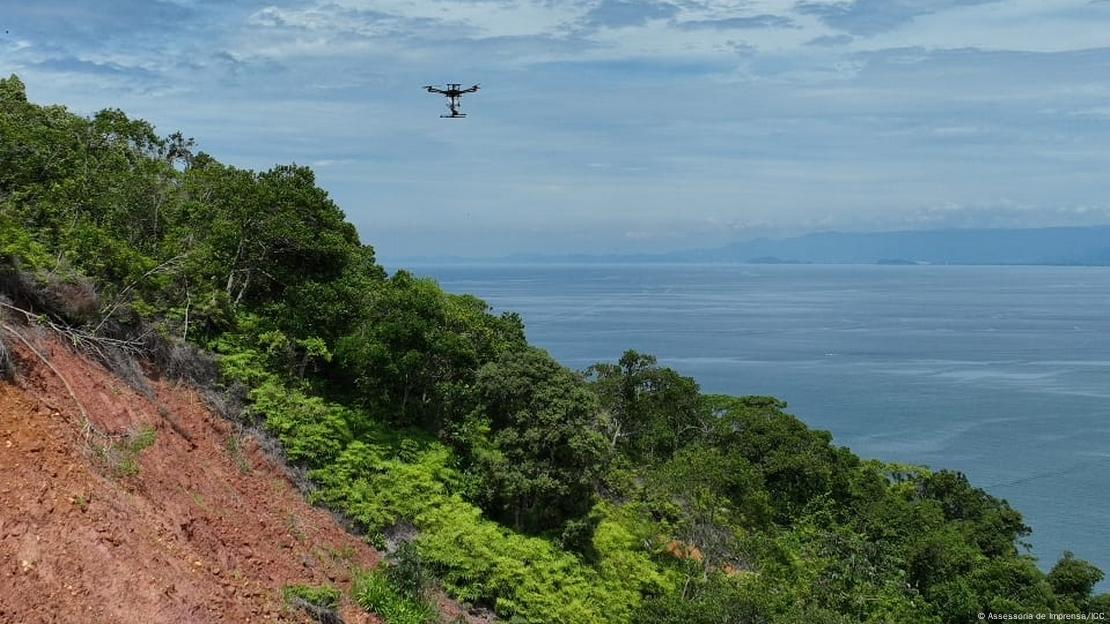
612	126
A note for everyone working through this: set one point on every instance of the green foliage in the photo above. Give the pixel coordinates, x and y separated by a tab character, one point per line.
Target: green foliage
526	577
709	497
324	596
409	479
374	592
110	197
17	244
133	444
408	572
713	600
653	411
799	465
1073	579
312	431
990	523
379	484
535	451
419	348
1099	604
12	91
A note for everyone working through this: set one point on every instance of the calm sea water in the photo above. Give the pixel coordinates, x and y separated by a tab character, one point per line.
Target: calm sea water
1000	372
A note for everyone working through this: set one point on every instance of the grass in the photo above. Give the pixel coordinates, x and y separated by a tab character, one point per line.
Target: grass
318	601
373	592
80	501
234	447
120	458
324	596
294	527
344	555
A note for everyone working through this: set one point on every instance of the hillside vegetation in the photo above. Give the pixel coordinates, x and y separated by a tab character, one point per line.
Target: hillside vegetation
617	494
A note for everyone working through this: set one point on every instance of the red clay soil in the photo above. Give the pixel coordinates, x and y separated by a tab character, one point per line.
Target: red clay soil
199	534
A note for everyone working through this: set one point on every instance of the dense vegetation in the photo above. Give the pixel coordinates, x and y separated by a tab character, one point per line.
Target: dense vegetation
616	494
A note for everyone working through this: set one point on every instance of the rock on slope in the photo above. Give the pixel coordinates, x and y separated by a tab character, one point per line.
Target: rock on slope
204	531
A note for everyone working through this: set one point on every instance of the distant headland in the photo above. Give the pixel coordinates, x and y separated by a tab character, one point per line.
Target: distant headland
1080	246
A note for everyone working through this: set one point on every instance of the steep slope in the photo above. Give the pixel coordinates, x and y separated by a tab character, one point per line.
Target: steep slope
199	527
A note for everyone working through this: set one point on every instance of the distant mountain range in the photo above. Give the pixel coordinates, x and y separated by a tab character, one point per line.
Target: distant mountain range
1051	246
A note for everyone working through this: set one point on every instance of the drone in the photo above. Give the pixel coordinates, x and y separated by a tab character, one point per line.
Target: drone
454	94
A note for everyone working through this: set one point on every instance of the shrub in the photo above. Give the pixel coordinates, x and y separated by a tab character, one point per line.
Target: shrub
312	431
408	572
374	592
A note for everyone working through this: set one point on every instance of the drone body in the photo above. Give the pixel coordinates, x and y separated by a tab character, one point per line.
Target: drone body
453	93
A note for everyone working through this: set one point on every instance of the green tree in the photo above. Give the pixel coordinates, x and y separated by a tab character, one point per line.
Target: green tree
1073	579
653	411
989	523
533	440
709	497
799	465
418	349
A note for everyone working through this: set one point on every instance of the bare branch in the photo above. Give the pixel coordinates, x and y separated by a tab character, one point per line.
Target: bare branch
83	341
119	297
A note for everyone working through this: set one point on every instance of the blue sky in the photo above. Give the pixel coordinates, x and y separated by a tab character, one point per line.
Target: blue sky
614	125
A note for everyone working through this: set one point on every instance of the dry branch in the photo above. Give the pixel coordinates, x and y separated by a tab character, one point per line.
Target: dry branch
65	382
81	340
7	364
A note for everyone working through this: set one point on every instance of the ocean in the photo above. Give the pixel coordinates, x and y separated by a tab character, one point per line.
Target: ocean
1002	373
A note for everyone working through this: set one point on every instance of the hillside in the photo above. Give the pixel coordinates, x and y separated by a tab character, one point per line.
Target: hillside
1063	245
491	474
202	527
1086	246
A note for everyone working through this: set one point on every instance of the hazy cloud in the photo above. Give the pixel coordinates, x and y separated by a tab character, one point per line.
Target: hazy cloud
731	23
865	17
831	40
618	13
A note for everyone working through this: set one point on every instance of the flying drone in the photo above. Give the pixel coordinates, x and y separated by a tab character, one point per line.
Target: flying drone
454	94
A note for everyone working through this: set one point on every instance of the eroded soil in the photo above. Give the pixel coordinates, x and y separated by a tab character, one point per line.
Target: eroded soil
203	527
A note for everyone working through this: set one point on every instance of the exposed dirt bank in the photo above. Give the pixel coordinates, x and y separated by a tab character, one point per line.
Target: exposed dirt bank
201	527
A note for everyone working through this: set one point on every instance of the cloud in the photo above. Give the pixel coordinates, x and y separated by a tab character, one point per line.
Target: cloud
80	66
94	24
741	23
330	23
1005	212
830	41
868	17
621	13
333	18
